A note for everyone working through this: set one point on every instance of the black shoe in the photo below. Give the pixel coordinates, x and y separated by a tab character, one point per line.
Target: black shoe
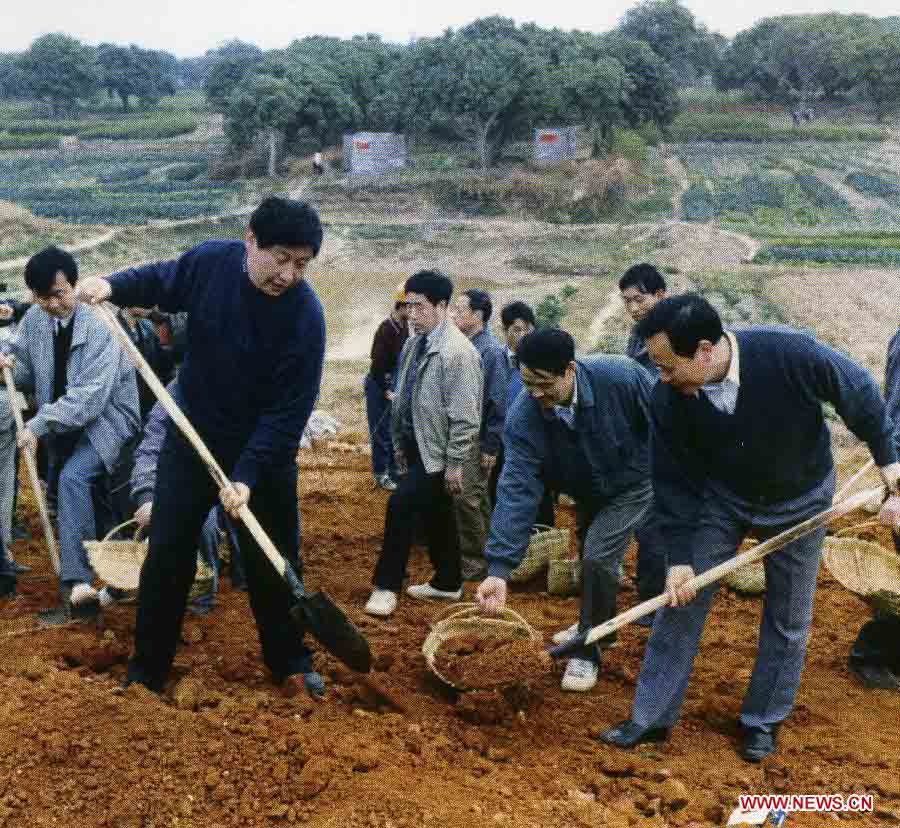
7	587
66	613
20	569
874	678
758	743
627	734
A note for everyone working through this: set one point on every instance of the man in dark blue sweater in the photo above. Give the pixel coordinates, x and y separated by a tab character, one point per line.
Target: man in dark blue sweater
250	377
739	444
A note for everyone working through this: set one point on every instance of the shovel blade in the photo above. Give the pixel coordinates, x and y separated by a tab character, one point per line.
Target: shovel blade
318	614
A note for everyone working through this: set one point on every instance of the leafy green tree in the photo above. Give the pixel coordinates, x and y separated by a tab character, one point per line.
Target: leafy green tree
129	71
227	68
595	93
260	104
674	34
13	82
879	60
60	69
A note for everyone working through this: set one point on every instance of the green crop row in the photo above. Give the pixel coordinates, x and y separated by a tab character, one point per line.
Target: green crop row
826	254
720	126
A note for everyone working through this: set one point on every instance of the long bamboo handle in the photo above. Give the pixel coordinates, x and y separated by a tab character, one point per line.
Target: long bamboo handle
750	556
849	484
31	466
172	409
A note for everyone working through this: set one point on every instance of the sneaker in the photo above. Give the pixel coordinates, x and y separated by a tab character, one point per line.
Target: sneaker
565	635
382	602
580	675
424	591
387	483
82	594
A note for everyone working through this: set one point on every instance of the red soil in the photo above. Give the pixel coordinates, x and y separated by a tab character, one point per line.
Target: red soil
223	748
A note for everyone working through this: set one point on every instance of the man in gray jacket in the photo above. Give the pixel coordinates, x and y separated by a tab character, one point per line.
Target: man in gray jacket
582	428
435	419
87	407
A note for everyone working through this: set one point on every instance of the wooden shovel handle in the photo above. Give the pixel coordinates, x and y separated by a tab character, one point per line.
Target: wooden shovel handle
172	409
757	553
31	466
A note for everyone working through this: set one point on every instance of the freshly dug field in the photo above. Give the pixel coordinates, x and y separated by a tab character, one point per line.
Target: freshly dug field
223	748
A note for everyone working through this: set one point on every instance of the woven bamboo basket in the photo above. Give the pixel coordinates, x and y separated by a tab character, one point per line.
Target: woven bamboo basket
118	562
564	576
748	580
546	544
867	569
465	620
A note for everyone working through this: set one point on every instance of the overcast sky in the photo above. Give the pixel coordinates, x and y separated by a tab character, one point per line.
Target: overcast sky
190	27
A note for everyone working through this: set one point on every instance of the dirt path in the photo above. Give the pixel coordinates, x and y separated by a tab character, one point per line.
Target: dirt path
79	247
676	169
863	204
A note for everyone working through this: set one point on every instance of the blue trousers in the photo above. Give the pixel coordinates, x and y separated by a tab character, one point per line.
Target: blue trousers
784	629
378	413
75	511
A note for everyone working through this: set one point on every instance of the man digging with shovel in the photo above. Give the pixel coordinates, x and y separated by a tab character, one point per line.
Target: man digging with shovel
250	377
740	443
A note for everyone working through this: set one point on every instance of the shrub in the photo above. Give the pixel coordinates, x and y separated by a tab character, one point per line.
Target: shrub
185	172
873	185
628	144
721	126
32	141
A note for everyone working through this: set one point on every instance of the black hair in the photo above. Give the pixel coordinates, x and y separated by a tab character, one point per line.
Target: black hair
432	284
645	277
547	349
41	269
686	319
286	222
517	310
480	300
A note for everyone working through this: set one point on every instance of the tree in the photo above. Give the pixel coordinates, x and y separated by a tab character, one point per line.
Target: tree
594	92
227	68
60	69
131	71
13	81
260	103
880	72
672	32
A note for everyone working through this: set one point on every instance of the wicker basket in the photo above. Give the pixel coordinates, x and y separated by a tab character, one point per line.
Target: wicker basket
748	580
867	569
564	576
546	544
118	562
464	619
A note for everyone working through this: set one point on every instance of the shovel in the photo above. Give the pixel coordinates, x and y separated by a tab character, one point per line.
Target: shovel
31	466
757	553
315	611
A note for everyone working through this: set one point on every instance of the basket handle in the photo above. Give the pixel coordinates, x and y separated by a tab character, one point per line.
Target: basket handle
115	529
465	608
865	525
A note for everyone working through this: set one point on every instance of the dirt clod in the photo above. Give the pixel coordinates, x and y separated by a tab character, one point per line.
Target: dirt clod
479	663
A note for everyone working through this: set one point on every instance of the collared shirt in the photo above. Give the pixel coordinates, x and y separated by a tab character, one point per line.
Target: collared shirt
566	413
60	325
724	393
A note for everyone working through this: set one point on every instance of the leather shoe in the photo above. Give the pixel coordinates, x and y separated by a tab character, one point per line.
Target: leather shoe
627	734
758	743
875	678
7	587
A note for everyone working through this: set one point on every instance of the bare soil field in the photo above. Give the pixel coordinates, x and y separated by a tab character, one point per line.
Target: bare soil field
223	748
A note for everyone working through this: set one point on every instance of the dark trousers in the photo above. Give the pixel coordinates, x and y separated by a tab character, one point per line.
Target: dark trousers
182	499
378	414
419	494
651	560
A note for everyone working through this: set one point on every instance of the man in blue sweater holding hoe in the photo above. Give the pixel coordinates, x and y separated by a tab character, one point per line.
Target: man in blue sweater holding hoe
250	377
739	443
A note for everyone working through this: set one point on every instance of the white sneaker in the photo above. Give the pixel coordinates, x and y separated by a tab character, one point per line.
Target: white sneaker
423	591
82	593
382	602
565	635
580	675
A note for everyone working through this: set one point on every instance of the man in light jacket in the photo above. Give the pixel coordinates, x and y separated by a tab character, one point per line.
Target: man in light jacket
87	407
435	420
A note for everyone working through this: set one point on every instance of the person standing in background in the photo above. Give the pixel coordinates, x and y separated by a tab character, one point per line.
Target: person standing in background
389	340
